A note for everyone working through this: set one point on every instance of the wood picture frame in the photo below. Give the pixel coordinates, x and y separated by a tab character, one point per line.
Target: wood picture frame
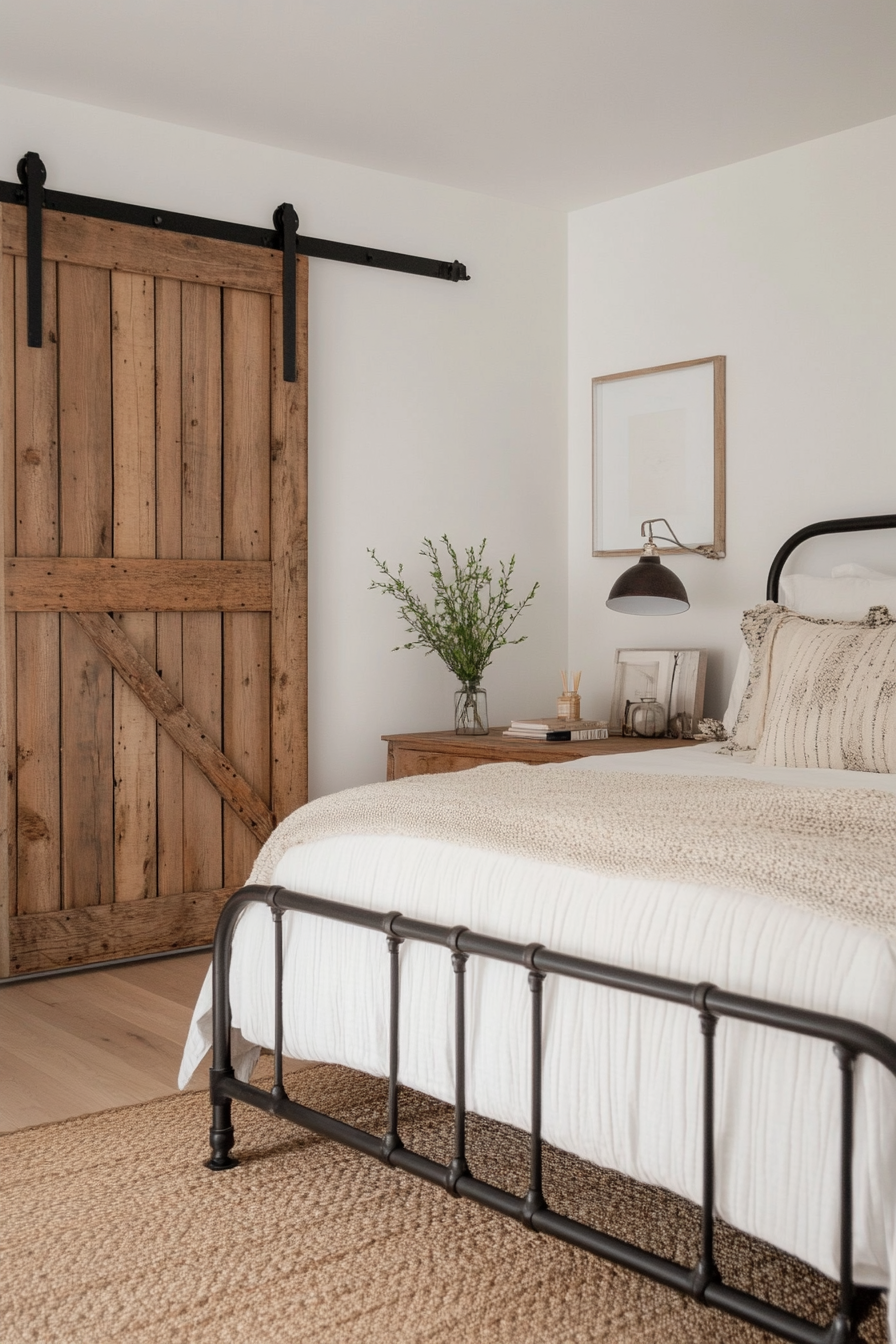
658	451
675	678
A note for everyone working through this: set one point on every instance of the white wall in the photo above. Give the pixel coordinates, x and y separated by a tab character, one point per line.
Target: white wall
433	407
786	264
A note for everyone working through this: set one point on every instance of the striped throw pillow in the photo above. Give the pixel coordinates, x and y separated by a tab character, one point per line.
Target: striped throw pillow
829	698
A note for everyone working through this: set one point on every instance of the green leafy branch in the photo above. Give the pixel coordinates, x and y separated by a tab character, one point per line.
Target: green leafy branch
471	612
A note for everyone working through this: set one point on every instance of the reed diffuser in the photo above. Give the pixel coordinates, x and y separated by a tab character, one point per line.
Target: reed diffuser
569	704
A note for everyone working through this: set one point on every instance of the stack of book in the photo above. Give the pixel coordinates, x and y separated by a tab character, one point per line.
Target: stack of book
558	730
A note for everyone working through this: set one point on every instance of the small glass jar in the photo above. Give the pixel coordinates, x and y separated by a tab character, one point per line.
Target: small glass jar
471	710
646	717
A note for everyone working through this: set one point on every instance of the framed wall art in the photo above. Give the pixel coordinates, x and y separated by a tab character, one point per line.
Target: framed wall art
658	451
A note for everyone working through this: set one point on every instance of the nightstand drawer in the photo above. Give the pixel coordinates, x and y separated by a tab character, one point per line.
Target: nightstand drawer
410	762
438	753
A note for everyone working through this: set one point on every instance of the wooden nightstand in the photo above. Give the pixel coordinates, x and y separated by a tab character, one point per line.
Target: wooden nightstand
435	753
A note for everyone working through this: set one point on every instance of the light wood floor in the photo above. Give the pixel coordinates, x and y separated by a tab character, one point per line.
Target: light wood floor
99	1039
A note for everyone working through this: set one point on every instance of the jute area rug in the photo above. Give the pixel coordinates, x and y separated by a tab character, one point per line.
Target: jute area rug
111	1229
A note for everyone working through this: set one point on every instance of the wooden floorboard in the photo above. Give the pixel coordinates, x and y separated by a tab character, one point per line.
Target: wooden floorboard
74	1044
178	979
87	1042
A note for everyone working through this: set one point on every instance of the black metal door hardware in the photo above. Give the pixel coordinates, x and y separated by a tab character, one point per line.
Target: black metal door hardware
33	175
31	192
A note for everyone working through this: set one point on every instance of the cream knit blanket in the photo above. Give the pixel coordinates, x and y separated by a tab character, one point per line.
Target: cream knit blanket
830	852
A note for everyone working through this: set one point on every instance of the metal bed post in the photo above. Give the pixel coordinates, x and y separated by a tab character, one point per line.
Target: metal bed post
841	1326
706	1271
220	1134
535	1200
278	1091
458	1166
392	1140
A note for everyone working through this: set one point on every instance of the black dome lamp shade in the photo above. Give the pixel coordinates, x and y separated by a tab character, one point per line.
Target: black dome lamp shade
647	589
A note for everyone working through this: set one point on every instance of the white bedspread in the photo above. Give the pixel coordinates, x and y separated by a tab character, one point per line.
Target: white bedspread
622	1075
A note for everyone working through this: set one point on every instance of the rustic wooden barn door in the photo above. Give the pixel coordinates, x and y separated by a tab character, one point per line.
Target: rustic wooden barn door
154	490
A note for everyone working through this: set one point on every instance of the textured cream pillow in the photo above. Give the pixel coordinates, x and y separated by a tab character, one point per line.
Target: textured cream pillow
821	692
750	720
829	694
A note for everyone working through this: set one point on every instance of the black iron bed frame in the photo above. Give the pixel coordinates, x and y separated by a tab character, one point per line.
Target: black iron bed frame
702	1282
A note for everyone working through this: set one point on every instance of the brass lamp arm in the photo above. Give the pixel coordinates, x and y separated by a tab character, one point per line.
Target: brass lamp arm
652	549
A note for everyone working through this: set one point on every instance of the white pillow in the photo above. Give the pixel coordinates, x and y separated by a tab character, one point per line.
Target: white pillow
738	686
852	571
846	598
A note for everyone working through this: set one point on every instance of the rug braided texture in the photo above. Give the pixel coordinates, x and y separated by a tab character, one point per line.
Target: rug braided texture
112	1230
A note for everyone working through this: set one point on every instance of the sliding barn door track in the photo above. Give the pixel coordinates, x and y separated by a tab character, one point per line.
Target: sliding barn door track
31	192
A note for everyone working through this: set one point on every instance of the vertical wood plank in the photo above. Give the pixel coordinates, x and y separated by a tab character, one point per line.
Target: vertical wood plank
201	540
8	390
289	561
85	471
134	534
169	628
9	892
8	445
246	518
7	486
38	839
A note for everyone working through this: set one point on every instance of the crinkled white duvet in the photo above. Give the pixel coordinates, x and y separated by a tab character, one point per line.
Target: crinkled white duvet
622	1075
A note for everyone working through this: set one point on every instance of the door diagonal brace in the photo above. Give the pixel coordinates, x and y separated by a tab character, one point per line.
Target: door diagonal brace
177	721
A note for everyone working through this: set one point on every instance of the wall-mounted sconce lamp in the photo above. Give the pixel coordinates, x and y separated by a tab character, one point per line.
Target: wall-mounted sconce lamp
649	590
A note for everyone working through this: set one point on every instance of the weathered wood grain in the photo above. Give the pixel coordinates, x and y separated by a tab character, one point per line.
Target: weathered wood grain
35	491
9	892
86	770
85	411
69	583
85	491
134	534
201	533
7	718
129	247
169	626
127	929
8	708
111	641
8	388
289	566
246	519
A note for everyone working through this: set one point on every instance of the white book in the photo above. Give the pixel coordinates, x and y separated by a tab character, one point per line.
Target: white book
556	725
562	734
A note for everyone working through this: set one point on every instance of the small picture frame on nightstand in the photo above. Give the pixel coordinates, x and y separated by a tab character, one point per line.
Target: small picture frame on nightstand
658	692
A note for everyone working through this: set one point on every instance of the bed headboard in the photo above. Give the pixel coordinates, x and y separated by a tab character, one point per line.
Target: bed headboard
872	523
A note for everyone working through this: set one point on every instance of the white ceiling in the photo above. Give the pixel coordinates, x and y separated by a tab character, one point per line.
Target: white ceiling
561	103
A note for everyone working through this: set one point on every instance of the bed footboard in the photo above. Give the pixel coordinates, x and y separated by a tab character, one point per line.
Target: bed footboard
703	1281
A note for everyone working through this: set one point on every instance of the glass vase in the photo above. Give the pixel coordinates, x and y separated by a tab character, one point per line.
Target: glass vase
470	710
